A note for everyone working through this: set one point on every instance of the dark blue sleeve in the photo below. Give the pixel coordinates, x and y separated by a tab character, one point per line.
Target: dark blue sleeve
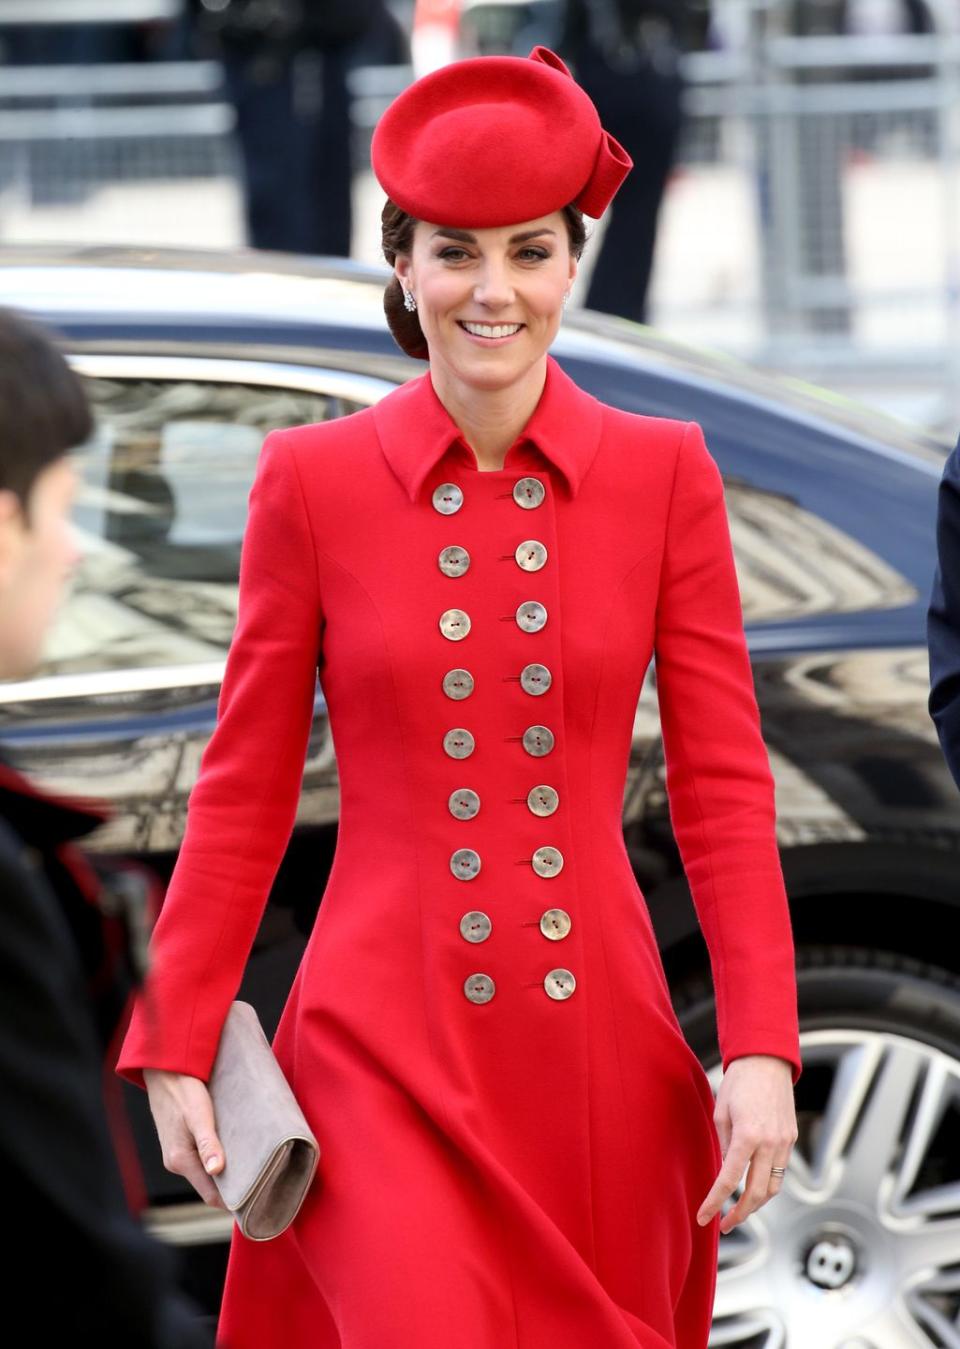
943	617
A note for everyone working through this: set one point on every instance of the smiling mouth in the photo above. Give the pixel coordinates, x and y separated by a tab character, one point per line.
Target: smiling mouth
491	331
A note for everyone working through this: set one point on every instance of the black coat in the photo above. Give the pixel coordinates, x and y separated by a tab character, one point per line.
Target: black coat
943	617
80	1268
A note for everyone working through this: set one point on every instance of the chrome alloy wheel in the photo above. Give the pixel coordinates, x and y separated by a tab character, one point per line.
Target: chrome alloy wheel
861	1247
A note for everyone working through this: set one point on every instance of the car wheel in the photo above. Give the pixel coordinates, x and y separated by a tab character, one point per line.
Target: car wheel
861	1247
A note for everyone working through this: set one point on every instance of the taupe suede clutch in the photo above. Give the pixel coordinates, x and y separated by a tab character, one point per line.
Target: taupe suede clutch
270	1152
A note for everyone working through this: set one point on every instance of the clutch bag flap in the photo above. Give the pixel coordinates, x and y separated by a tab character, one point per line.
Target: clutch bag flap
270	1152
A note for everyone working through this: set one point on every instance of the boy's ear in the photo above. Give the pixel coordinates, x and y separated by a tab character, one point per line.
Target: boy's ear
12	524
11	507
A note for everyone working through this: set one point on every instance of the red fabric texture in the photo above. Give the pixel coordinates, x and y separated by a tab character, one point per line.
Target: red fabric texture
524	1171
494	140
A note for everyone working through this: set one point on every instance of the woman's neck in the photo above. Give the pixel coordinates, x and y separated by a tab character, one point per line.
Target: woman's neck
490	419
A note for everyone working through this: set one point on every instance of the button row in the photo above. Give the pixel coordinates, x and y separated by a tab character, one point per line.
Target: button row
558	984
476	926
537	740
546	861
530	616
464	803
527	492
454	560
535	678
459	743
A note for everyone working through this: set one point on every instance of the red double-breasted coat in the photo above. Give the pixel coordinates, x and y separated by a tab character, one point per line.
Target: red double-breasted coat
515	1134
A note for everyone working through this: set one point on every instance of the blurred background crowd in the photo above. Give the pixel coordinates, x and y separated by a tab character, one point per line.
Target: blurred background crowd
782	148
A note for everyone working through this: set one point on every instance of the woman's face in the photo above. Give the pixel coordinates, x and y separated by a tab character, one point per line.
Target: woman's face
35	561
513	276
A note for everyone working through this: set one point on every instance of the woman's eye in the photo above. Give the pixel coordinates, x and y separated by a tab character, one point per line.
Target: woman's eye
537	253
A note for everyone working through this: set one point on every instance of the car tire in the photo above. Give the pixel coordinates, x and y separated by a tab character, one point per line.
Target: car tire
860	1247
846	986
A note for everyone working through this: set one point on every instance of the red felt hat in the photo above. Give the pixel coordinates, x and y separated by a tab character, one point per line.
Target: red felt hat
494	140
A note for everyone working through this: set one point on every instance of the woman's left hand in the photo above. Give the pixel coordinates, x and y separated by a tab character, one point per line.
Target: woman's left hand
756	1123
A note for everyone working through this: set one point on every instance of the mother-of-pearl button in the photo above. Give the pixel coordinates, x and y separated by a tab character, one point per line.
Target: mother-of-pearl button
531	615
459	742
535	678
531	554
453	560
547	861
465	863
475	925
559	983
463	803
529	492
555	924
447	498
479	987
538	740
458	683
543	800
454	624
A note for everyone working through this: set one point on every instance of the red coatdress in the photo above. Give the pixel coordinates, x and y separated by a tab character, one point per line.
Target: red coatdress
515	1134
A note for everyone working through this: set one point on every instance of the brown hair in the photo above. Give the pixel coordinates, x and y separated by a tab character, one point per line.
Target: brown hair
396	229
43	404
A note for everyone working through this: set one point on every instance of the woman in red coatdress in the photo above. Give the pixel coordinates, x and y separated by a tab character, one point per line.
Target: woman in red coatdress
519	1147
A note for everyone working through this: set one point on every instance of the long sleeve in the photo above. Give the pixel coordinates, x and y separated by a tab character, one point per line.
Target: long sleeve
243	805
80	1259
943	617
719	781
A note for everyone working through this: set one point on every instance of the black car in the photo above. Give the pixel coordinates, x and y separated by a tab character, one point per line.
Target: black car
190	358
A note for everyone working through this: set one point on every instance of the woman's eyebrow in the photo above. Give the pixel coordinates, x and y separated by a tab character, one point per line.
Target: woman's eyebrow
466	237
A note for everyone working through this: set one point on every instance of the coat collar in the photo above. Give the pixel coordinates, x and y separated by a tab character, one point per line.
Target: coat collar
416	430
42	817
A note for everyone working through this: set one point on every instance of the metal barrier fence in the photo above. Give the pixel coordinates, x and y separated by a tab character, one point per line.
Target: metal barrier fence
812	224
67	130
838	159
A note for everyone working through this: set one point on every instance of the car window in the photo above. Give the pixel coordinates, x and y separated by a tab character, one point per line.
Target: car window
825	522
160	510
793	564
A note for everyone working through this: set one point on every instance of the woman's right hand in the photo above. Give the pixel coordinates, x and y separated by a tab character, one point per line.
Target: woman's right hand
183	1113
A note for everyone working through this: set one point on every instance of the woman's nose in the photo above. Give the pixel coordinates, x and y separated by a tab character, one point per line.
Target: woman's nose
495	288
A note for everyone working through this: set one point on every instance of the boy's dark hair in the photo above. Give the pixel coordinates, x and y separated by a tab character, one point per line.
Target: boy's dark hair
44	411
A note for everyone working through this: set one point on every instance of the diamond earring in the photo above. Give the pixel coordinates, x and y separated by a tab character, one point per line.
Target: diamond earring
566	296
409	301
